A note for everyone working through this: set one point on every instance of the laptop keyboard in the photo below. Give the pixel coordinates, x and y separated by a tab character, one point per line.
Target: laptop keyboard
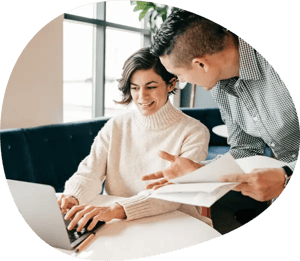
74	234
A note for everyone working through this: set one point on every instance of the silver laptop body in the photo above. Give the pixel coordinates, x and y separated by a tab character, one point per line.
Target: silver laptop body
38	205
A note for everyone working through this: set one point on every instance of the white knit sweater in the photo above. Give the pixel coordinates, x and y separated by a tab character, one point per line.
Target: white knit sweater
126	149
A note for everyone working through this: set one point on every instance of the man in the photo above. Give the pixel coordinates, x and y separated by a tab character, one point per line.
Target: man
254	103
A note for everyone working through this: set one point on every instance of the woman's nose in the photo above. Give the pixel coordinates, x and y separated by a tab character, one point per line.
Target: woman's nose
143	93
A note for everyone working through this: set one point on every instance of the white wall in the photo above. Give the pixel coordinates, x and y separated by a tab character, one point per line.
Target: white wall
34	94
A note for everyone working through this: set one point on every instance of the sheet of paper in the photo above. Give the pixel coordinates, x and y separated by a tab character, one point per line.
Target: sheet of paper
192	187
256	162
201	187
195	198
212	171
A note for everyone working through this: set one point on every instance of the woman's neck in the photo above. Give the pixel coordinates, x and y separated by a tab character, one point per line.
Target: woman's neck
163	118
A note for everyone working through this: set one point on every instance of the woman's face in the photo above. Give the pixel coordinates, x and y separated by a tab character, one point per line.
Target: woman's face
149	91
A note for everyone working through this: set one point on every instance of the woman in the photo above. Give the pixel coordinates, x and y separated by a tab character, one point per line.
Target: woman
126	149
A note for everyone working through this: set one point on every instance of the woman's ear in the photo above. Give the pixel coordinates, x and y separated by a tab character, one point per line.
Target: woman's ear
172	84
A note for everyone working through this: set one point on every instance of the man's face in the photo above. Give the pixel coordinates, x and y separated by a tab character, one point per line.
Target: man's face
198	73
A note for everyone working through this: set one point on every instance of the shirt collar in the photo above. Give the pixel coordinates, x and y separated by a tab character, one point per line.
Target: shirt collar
228	86
248	65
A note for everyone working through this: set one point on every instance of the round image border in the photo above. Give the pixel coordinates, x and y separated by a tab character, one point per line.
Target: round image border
270	28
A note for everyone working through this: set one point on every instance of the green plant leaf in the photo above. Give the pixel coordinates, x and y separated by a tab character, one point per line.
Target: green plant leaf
143	13
144	4
157	11
137	8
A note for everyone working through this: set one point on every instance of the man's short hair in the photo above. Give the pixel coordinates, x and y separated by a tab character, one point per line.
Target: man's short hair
186	35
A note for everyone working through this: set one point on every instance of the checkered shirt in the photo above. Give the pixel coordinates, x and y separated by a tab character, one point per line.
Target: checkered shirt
258	110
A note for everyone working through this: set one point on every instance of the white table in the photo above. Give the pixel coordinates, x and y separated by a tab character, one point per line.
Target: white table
221	130
121	239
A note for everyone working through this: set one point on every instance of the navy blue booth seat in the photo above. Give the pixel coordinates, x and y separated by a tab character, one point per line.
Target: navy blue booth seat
51	154
47	154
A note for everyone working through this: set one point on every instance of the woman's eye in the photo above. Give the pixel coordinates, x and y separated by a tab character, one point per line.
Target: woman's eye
133	88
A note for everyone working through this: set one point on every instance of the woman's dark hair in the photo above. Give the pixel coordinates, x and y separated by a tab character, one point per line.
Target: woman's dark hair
141	60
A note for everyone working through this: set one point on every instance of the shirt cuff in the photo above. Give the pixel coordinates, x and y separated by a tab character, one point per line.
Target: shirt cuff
288	171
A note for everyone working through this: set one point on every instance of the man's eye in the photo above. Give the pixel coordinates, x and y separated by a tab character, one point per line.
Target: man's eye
151	87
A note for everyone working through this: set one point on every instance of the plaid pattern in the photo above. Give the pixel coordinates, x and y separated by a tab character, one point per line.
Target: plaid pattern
258	110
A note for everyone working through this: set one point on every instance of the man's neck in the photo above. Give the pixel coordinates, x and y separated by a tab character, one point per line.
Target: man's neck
230	60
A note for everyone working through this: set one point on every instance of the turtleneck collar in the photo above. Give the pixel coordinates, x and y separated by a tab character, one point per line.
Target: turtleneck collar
162	119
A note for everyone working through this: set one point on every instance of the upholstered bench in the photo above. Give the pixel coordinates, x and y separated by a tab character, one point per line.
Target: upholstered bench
51	154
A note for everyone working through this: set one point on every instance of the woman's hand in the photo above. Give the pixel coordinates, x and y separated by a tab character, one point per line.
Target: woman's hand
158	184
179	166
66	202
82	214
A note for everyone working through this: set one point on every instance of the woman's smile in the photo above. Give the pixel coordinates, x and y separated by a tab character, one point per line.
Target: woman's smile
149	91
146	105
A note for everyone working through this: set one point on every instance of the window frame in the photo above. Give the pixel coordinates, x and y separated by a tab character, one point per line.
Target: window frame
99	55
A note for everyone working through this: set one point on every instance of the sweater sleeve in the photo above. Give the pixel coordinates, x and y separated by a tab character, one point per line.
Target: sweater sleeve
194	147
141	205
87	181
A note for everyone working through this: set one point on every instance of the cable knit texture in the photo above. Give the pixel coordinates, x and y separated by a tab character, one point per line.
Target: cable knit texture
126	149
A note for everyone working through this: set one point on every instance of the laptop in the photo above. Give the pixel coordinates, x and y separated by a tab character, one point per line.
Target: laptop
38	205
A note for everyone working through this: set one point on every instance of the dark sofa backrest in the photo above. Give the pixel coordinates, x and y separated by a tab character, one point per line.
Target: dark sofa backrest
51	154
47	154
210	118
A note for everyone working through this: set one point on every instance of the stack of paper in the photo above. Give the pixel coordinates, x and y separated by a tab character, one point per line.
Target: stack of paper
203	187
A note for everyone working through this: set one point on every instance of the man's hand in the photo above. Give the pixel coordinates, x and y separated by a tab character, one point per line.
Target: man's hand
82	214
179	167
66	202
260	184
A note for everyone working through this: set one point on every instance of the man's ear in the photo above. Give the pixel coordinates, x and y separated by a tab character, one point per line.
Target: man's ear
200	63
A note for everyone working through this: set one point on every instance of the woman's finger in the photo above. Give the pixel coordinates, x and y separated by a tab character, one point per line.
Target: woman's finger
75	215
94	222
156	183
166	156
59	198
156	175
63	205
162	185
86	217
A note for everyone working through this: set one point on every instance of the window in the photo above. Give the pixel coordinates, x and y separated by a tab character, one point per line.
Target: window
98	38
77	71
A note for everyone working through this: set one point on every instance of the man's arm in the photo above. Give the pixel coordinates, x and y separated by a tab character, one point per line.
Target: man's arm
260	184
